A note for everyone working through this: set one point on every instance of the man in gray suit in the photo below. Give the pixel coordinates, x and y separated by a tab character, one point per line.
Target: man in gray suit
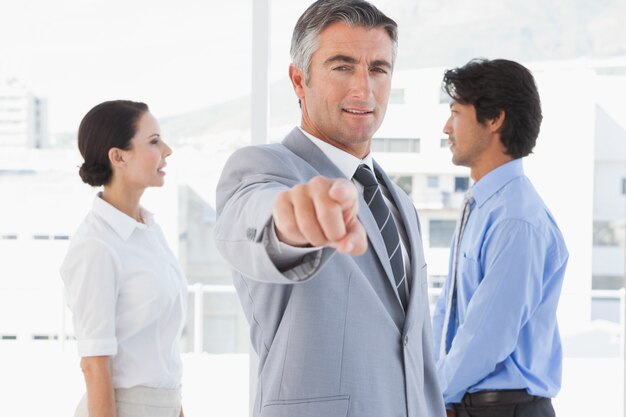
326	250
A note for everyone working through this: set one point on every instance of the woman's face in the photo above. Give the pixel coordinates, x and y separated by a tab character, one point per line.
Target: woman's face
145	160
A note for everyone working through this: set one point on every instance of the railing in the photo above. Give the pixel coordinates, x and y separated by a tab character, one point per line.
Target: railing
199	290
619	295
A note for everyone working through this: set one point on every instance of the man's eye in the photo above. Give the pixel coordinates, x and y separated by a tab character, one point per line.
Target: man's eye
379	70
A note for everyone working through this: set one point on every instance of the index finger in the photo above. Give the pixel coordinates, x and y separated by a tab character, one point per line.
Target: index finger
344	192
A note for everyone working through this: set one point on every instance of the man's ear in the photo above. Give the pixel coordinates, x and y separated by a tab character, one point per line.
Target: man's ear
496	123
296	75
116	157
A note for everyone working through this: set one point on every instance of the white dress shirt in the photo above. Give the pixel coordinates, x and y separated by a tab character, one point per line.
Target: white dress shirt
284	255
128	296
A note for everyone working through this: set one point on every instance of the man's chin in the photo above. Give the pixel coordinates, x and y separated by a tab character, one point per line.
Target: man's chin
457	161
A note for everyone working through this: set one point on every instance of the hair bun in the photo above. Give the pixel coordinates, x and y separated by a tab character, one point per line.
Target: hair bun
95	174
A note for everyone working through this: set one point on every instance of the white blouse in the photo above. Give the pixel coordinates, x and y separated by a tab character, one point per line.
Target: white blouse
128	296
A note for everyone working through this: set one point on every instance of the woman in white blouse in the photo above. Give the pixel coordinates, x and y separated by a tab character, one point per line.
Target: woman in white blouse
124	286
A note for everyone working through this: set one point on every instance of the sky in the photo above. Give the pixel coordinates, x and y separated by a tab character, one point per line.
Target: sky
186	55
176	57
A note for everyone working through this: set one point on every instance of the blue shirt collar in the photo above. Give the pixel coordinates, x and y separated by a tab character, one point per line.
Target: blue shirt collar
495	180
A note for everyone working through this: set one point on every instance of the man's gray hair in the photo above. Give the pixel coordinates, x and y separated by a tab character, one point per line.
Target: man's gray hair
323	13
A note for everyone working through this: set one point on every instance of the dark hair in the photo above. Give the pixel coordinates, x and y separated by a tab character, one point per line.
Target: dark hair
499	85
323	13
111	124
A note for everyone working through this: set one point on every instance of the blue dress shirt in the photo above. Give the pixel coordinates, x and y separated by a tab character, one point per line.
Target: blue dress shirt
511	263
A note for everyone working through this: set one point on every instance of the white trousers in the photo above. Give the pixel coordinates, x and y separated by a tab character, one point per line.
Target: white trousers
141	402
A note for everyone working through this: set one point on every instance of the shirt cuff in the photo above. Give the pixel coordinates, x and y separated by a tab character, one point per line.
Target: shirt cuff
97	347
285	256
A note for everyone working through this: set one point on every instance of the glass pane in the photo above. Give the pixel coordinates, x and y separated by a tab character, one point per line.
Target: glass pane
461	184
440	232
404	181
193	70
396	96
378	145
400	145
608	233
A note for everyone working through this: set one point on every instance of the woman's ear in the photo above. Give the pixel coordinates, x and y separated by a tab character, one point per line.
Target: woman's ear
116	156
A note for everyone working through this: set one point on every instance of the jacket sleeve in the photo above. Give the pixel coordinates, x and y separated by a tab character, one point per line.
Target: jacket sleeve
251	180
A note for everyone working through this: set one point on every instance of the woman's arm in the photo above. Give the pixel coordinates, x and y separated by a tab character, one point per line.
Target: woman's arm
100	393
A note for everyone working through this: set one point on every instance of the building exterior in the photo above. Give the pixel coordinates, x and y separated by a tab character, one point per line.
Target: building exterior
609	201
23	116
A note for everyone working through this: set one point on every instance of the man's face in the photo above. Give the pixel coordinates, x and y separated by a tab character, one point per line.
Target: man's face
345	99
469	139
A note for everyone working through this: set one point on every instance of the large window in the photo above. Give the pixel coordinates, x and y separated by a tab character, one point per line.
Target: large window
396	145
404	181
191	62
440	232
396	96
608	282
432	181
608	233
59	59
461	184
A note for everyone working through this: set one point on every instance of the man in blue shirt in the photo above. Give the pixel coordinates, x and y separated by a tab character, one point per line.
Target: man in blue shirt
495	330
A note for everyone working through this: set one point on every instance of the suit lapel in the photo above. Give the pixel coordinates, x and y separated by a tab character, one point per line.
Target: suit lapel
300	145
397	201
376	241
411	226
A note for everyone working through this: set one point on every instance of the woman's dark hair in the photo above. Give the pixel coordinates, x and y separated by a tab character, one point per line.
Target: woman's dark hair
111	124
495	86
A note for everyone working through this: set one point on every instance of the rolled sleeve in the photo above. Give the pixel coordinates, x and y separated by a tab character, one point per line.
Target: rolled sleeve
97	347
89	274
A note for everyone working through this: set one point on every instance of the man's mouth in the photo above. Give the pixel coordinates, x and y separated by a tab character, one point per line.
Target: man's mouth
358	112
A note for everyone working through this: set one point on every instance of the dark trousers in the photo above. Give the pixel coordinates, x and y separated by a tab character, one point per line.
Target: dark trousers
536	407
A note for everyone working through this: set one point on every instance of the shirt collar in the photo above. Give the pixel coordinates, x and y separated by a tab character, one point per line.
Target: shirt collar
123	224
347	163
495	180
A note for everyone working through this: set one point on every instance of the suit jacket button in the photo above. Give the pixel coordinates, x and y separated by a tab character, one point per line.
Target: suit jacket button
251	233
406	340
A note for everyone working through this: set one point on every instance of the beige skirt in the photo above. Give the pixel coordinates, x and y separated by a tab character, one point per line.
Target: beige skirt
141	402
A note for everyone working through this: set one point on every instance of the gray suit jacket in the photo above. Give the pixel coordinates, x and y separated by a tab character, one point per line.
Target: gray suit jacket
331	334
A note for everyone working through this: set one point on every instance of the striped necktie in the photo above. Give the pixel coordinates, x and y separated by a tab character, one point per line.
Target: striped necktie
387	227
447	331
